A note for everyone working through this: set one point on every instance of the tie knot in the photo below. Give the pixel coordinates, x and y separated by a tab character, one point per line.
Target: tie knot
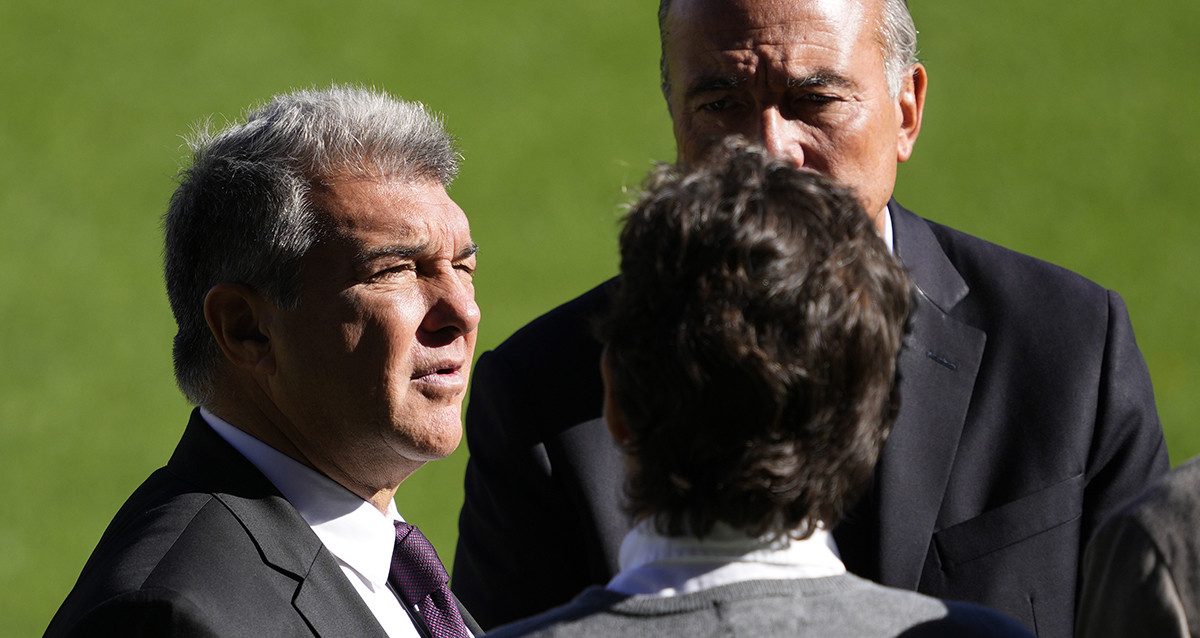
415	564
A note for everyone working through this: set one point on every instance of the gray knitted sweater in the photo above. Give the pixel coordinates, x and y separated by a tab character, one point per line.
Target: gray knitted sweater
833	607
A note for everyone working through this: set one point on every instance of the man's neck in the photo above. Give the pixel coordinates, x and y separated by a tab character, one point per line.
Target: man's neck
262	426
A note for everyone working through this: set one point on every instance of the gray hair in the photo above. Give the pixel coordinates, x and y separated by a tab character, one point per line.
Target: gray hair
242	213
898	35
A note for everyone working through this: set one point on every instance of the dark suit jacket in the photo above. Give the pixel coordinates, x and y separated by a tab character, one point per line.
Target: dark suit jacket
207	547
1027	417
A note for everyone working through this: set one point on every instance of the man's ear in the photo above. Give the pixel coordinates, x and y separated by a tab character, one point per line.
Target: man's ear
911	103
617	425
613	416
237	316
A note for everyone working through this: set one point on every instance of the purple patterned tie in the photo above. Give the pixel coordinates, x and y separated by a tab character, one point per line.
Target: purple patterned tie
417	573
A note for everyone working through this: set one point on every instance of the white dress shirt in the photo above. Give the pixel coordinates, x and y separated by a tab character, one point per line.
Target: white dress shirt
358	535
657	565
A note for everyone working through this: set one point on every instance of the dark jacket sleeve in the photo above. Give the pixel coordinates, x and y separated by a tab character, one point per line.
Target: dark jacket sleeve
1128	451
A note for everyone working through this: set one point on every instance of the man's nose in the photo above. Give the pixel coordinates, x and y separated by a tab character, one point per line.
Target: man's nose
453	311
779	136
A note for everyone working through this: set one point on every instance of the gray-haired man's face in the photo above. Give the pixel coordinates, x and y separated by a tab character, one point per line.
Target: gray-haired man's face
373	364
804	78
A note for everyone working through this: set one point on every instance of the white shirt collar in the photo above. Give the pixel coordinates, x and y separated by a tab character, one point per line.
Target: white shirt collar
886	233
352	529
653	564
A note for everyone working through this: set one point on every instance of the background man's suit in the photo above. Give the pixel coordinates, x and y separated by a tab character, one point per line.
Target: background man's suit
207	546
1027	416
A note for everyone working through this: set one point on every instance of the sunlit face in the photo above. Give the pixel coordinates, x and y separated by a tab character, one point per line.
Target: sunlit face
371	368
804	78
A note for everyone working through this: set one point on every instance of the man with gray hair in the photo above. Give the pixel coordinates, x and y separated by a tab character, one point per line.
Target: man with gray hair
321	281
1027	411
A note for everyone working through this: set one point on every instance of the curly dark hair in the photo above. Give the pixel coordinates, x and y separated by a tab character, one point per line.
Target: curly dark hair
752	346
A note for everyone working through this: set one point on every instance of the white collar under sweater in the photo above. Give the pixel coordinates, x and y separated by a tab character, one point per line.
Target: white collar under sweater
657	565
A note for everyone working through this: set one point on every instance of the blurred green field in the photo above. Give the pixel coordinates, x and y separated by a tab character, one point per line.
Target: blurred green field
1067	131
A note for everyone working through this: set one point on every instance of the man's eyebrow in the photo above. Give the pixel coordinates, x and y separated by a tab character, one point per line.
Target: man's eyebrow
409	251
819	78
714	83
467	251
816	79
404	252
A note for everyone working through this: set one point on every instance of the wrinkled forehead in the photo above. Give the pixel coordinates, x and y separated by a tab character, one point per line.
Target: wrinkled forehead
370	212
753	22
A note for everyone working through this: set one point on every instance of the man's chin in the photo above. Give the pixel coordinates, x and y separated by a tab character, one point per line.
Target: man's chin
437	437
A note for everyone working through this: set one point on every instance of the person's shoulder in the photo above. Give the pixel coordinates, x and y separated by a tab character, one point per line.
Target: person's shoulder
157	526
916	615
1179	487
136	612
1008	294
176	555
1169	509
163	516
563	329
978	259
580	617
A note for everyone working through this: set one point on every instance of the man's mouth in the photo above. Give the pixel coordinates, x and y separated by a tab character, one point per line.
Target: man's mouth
444	378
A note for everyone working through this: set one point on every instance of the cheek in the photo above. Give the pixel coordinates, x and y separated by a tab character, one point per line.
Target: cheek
697	133
397	336
683	140
859	145
379	345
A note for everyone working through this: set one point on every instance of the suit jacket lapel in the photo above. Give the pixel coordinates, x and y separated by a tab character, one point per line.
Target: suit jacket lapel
329	603
326	600
938	367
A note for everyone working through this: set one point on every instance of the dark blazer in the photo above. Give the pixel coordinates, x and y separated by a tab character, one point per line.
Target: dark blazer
208	547
1027	417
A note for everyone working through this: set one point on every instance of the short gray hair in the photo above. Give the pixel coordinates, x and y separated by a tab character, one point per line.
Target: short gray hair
898	35
242	211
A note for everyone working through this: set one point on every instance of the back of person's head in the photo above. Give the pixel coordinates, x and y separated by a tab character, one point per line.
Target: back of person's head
751	349
242	212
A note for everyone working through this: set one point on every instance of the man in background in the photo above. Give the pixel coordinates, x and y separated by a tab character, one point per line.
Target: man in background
320	279
1028	414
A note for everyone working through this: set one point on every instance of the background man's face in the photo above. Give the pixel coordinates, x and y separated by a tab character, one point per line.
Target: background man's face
376	358
804	78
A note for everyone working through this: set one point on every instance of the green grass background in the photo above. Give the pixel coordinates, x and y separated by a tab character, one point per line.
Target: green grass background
1064	130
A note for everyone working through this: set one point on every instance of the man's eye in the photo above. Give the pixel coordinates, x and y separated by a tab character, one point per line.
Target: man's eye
817	99
393	271
723	104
